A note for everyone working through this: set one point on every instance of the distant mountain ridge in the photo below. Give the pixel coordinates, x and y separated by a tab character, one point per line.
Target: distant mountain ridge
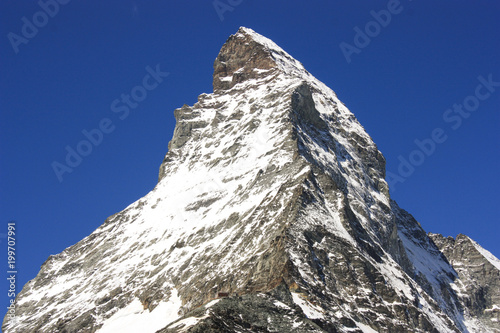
271	214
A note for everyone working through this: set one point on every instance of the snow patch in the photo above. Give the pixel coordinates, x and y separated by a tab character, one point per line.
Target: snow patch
310	310
281	305
133	318
186	323
487	254
211	303
365	328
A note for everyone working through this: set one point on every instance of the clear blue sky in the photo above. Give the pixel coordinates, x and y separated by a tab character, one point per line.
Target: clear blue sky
65	77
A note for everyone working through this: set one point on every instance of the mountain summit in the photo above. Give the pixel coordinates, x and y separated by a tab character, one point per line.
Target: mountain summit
271	214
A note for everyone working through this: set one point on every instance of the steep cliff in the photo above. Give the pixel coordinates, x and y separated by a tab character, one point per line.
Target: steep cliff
271	214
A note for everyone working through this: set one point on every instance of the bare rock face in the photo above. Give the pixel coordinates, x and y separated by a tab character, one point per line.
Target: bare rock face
478	283
241	58
271	214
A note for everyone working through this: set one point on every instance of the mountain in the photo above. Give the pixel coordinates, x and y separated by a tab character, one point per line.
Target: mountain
271	214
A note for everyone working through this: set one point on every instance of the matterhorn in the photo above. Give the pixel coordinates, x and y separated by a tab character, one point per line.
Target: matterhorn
271	214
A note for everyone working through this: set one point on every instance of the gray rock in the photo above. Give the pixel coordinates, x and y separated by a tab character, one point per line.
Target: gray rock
271	214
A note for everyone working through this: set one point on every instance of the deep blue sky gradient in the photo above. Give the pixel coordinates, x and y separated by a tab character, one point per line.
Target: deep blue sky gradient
64	79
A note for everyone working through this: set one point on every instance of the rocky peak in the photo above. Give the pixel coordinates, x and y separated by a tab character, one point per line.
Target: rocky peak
247	55
478	283
271	214
241	58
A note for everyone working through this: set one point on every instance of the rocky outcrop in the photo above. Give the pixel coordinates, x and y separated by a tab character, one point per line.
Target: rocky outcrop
271	214
478	282
240	59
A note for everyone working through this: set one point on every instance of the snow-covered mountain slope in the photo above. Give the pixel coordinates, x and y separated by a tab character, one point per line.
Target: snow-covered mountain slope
478	282
271	214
